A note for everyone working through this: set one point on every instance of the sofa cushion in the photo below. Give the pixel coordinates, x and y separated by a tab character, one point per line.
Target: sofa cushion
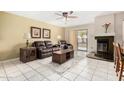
48	44
39	44
45	50
47	54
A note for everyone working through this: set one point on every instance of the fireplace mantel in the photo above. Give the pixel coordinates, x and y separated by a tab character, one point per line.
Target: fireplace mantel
105	34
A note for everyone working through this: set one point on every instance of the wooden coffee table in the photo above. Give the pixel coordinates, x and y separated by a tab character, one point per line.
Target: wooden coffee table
62	56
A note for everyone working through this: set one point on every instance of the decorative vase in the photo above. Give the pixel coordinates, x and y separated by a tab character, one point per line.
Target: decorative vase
106	25
106	30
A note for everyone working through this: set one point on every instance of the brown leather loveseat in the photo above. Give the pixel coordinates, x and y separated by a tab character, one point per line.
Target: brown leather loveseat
64	45
44	48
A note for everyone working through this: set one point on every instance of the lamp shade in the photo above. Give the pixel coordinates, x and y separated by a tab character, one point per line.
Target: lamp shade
27	36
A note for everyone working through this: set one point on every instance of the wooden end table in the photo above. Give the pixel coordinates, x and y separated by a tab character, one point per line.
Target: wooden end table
27	54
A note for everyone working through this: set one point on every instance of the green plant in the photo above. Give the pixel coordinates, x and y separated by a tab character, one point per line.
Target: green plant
81	34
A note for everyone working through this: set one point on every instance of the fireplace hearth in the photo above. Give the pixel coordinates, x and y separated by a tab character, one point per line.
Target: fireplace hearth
105	47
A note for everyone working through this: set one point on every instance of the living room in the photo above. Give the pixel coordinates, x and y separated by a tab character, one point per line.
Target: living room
61	46
21	31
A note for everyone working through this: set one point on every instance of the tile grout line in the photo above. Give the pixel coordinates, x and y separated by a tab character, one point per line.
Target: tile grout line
66	78
38	72
82	71
51	69
111	74
79	73
54	71
94	71
107	72
5	72
45	77
59	73
104	72
21	72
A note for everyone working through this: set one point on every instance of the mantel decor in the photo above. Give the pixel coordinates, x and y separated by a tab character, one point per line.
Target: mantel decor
46	33
35	32
106	25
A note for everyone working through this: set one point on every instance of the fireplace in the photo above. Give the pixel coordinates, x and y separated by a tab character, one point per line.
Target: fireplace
102	45
105	47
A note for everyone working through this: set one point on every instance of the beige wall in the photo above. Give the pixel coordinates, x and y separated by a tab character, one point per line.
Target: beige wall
73	39
70	37
12	29
101	20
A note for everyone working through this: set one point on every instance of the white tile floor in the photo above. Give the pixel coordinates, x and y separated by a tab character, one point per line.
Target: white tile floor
80	68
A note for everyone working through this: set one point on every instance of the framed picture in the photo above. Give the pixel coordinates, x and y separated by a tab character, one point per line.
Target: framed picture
46	33
35	32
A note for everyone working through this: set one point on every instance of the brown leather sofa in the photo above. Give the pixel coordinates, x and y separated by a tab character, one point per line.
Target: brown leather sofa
44	48
50	45
64	45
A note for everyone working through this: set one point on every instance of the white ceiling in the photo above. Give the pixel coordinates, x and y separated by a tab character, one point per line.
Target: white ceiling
84	17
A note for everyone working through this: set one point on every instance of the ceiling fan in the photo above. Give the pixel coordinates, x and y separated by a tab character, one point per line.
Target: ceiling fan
65	15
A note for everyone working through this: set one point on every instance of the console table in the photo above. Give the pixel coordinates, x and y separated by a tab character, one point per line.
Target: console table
27	54
62	55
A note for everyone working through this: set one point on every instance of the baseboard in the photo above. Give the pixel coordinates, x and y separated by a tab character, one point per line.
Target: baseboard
14	59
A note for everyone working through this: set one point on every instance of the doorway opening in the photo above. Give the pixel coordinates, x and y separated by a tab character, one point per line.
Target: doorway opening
82	39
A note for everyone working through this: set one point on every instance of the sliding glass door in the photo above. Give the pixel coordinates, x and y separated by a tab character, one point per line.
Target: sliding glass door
82	39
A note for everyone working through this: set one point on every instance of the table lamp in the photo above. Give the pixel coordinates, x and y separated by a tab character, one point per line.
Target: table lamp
59	37
27	36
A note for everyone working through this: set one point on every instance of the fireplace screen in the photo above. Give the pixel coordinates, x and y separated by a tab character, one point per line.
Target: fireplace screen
105	47
102	47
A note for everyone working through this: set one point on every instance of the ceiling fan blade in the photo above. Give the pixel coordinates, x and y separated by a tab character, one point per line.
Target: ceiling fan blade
59	18
58	14
72	16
